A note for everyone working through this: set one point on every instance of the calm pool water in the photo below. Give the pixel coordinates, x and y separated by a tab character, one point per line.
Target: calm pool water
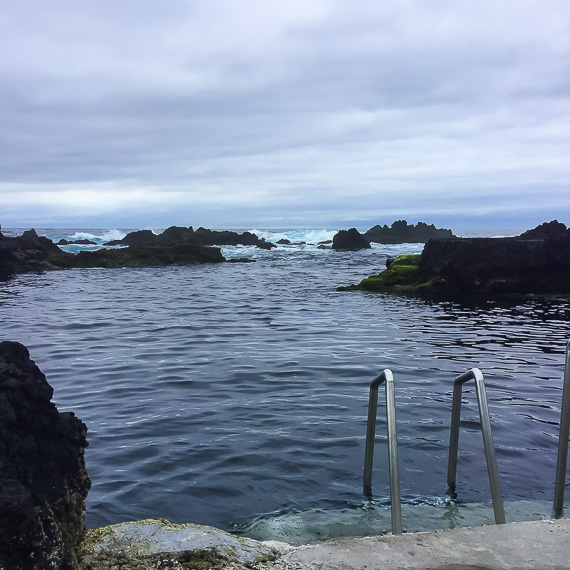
235	395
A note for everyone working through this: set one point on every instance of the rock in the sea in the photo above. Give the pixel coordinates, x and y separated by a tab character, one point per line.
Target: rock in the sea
76	242
157	543
350	239
30	252
43	480
175	235
401	232
179	253
536	262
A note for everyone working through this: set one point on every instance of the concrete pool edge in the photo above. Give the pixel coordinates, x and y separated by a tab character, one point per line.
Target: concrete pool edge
534	544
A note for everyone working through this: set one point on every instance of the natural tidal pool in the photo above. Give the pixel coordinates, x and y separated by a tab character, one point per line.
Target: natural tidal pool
235	395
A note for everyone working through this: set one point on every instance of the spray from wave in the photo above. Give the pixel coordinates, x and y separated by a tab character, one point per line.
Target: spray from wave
314	236
107	235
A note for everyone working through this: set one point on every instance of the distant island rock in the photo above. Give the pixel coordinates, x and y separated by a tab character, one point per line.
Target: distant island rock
401	232
350	239
201	236
76	242
536	262
32	253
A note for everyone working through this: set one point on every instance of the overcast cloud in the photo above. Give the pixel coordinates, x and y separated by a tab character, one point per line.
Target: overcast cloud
313	113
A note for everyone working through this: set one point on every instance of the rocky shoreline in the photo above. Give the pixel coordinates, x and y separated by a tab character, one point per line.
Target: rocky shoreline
175	246
534	263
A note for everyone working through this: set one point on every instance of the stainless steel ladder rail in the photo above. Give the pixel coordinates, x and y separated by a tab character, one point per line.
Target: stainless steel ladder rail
395	498
562	460
492	469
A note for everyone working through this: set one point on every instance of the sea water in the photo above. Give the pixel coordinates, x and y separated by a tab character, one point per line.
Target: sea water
235	395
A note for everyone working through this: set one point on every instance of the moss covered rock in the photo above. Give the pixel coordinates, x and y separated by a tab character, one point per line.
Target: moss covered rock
402	275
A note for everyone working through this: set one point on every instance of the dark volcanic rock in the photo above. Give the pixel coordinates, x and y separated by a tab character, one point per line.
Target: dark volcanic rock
43	481
211	237
349	239
184	253
76	242
525	264
537	262
30	252
201	236
402	232
141	237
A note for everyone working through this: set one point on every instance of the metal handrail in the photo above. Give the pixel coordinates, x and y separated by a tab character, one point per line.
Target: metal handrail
492	469
562	460
395	499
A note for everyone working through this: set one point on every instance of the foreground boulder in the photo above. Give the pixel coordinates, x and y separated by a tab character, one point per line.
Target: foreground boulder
156	543
350	239
536	262
43	480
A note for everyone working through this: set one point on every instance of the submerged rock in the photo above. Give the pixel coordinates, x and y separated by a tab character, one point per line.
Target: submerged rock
157	543
536	262
349	239
43	480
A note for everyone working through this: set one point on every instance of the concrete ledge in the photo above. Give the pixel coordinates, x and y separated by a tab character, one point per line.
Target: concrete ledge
543	544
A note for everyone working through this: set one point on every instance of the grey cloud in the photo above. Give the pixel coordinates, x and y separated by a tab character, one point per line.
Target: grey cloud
263	105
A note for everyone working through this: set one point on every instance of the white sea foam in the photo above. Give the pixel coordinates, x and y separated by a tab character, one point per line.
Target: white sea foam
107	235
313	236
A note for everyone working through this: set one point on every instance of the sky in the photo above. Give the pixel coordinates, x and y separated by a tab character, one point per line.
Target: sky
257	113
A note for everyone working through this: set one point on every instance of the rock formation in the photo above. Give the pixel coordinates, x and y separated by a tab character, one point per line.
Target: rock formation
536	262
349	239
32	253
43	480
201	236
401	232
149	256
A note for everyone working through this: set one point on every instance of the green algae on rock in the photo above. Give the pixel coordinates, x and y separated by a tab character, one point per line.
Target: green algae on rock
402	275
534	263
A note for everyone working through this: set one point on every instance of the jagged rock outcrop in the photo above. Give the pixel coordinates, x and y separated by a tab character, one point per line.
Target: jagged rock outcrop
536	262
401	232
349	239
201	236
32	253
43	480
